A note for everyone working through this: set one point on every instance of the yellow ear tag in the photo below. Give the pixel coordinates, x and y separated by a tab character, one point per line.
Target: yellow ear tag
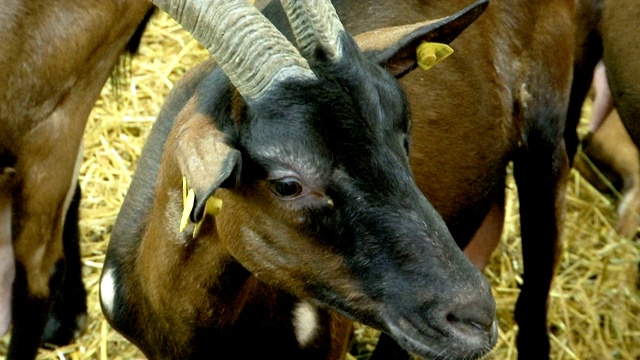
184	191
430	53
189	201
212	207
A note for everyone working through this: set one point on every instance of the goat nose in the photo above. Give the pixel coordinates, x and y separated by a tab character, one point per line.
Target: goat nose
473	317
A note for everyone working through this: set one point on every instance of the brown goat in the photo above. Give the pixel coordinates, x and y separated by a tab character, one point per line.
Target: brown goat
613	166
321	219
55	57
620	32
501	97
607	30
609	159
610	30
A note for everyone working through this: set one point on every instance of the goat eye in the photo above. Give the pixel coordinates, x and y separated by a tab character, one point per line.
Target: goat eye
286	188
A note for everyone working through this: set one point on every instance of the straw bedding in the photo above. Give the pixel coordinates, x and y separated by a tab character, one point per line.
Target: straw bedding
594	309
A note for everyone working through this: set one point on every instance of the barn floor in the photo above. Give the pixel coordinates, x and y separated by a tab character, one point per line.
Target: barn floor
594	309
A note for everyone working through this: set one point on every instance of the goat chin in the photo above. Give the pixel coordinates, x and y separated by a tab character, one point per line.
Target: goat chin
466	343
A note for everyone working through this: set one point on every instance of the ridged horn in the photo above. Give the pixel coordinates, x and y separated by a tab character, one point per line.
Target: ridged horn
248	48
315	23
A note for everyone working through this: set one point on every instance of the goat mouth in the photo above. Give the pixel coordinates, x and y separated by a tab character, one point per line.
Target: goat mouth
440	342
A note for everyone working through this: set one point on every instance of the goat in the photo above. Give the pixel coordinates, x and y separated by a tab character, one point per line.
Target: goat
607	30
55	58
306	152
620	34
613	164
501	97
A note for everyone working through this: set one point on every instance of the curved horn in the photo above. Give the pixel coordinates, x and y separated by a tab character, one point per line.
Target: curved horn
315	22
248	48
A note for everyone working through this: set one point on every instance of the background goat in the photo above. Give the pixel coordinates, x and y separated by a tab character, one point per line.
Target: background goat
610	159
607	30
55	57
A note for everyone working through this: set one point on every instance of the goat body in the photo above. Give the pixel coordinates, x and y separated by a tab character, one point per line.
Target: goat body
610	159
609	31
321	219
613	166
56	57
501	97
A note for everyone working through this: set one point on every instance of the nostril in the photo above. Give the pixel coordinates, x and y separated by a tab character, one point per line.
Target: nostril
483	327
468	325
473	331
472	315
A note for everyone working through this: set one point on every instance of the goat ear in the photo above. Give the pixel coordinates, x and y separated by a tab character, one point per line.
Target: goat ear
395	48
206	162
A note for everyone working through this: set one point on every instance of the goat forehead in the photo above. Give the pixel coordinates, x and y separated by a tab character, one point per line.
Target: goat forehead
343	94
316	144
305	126
375	92
307	161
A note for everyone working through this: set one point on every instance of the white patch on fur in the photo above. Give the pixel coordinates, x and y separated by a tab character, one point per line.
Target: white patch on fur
107	291
305	323
524	95
624	203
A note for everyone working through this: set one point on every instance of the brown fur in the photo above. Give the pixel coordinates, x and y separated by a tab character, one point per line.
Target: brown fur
472	114
615	156
263	255
609	158
501	97
620	33
443	118
56	56
190	266
609	30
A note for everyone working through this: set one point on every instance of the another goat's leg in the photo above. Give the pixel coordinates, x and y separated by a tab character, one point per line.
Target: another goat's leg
45	169
540	169
69	305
